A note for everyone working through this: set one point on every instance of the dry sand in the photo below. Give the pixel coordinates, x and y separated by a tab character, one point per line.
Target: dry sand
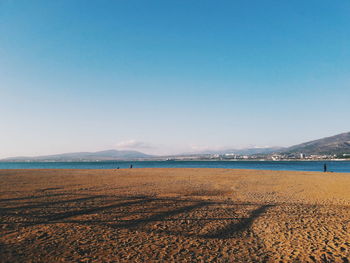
174	215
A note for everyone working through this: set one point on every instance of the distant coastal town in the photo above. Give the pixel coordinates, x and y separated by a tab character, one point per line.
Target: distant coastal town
261	157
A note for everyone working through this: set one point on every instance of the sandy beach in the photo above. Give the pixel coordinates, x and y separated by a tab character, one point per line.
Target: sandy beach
174	215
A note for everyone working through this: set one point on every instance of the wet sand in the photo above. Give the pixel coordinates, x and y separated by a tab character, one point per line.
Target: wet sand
174	215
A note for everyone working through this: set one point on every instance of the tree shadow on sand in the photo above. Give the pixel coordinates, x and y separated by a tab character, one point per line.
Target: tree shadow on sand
115	212
234	229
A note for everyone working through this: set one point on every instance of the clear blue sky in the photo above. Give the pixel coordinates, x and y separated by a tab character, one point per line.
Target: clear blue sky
171	76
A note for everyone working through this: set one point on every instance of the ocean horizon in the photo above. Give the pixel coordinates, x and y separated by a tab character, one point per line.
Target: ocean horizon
332	166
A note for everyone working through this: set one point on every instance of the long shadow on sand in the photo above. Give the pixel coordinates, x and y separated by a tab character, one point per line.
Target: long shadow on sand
160	216
48	204
70	214
31	197
237	228
139	212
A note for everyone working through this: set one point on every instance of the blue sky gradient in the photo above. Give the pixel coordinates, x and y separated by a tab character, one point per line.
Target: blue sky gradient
171	76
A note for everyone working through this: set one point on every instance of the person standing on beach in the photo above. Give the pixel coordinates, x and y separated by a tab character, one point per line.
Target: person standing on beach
130	166
324	167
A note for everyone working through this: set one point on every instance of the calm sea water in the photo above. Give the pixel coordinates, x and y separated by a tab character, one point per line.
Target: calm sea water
334	166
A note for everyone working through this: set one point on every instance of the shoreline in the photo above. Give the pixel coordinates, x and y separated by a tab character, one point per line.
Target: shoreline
169	168
311	166
192	160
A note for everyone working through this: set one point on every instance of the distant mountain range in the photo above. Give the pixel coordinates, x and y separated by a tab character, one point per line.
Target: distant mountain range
85	156
337	144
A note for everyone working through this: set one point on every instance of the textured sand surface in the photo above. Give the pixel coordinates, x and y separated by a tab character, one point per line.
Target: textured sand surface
174	215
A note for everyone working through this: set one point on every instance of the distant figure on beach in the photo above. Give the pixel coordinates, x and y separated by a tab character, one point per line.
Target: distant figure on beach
118	167
325	168
130	166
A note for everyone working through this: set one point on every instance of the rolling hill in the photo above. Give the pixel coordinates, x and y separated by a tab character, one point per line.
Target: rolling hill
85	156
337	144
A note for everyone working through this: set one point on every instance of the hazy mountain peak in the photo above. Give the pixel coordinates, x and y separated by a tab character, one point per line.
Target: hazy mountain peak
336	144
86	156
